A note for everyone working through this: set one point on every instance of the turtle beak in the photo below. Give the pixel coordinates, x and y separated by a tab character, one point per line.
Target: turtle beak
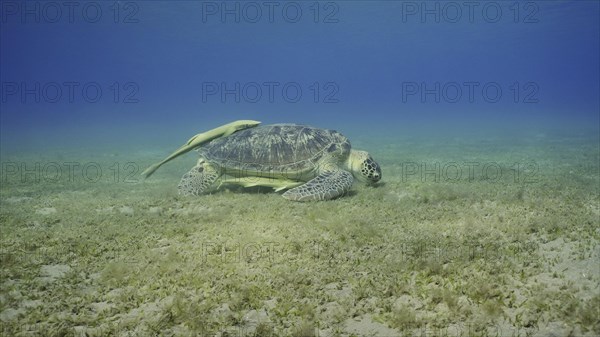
377	175
373	171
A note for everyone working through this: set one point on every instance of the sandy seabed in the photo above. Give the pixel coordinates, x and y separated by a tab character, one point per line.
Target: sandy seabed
492	239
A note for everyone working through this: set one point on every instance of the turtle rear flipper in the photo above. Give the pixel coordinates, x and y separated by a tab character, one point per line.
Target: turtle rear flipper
200	179
325	186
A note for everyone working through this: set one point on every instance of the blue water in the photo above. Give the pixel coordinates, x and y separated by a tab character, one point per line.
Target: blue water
152	73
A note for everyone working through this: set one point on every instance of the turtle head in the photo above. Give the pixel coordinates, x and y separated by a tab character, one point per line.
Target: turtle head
363	167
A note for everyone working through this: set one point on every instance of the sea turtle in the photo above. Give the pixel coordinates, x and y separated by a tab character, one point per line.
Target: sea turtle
312	163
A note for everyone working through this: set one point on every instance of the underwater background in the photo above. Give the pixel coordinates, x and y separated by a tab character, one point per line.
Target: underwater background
150	73
484	117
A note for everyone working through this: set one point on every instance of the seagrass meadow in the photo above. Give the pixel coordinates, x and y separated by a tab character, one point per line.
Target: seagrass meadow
441	246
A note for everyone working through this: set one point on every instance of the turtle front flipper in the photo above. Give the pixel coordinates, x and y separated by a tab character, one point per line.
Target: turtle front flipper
325	186
200	179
